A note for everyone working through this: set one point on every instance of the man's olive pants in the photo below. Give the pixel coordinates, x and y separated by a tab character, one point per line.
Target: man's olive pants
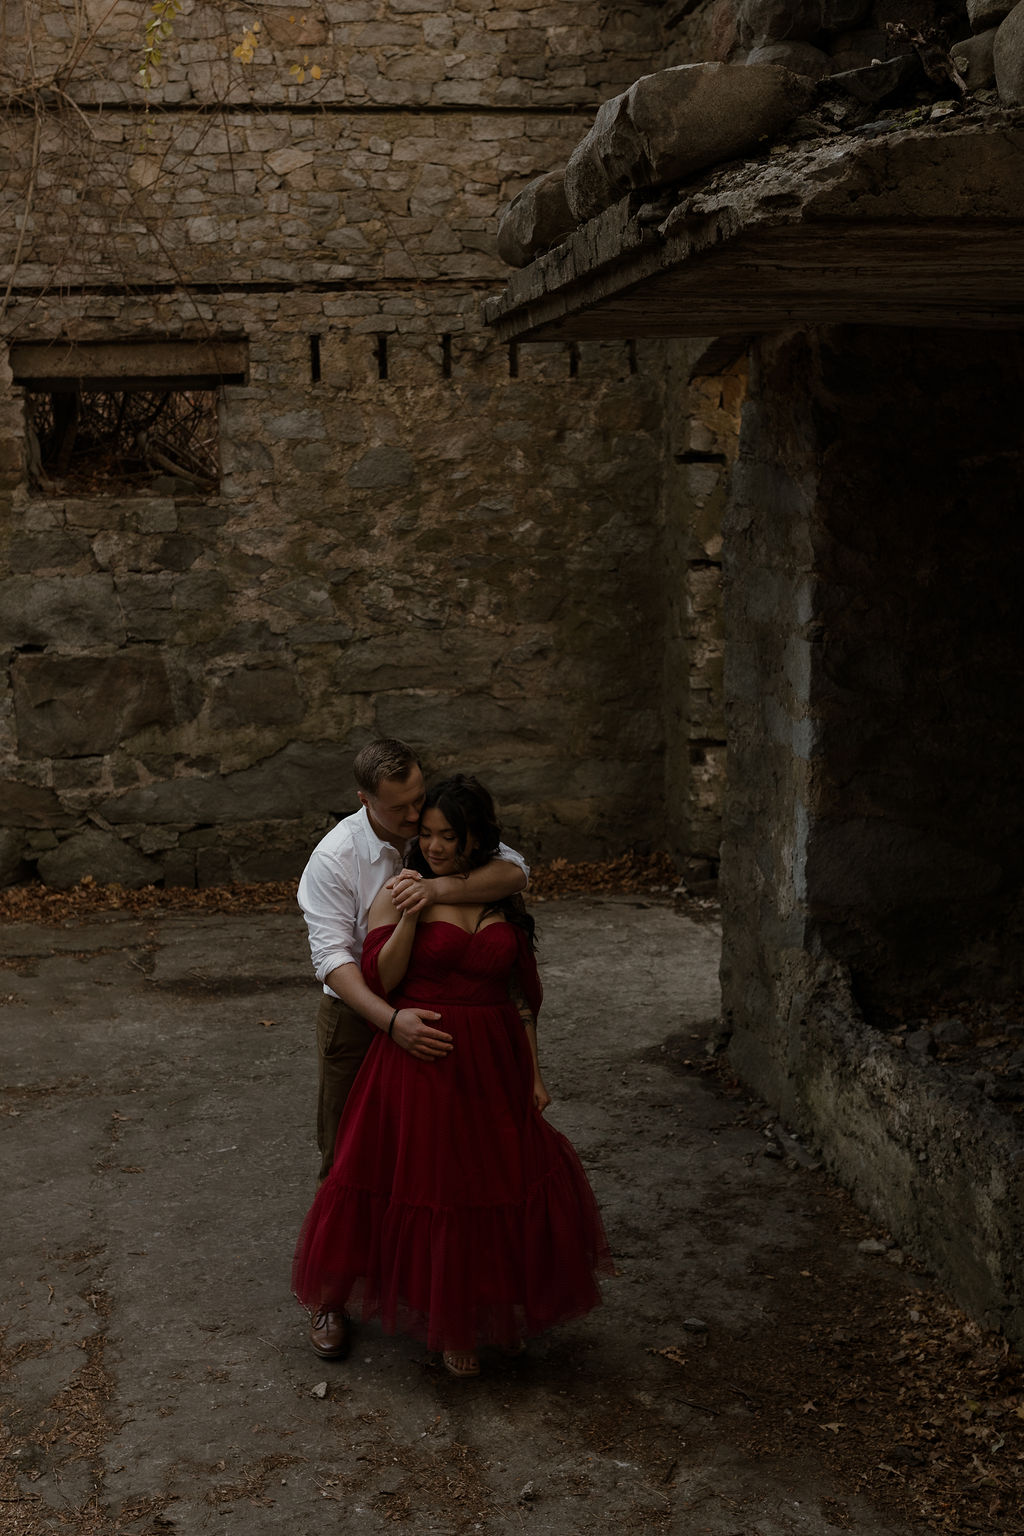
342	1040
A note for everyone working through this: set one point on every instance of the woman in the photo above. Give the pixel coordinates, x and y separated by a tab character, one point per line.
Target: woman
453	1211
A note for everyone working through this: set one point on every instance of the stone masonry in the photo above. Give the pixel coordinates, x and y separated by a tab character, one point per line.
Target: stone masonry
416	530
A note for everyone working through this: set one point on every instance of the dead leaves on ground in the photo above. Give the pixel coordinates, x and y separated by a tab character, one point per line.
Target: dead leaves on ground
627	874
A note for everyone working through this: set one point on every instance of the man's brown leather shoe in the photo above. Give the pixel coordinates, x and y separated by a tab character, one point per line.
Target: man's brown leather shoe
331	1335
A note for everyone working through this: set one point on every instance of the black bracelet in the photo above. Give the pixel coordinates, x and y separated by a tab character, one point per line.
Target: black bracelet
391	1026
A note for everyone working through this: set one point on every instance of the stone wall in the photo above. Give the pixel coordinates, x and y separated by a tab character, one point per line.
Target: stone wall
391	53
872	855
417	533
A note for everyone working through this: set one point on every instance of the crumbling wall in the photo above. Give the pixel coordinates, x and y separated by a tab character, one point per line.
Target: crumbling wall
872	855
416	530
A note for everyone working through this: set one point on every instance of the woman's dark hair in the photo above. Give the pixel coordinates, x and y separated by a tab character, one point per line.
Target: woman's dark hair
468	809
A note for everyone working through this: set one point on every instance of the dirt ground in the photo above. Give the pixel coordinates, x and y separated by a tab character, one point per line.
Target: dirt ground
765	1364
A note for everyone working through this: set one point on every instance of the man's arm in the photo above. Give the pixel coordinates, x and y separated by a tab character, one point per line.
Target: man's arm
410	892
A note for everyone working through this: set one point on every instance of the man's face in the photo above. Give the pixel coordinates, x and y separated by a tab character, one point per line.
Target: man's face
395	809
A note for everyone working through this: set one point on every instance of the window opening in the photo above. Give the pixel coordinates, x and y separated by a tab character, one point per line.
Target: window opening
513	360
314	359
111	442
574	360
446	355
380	352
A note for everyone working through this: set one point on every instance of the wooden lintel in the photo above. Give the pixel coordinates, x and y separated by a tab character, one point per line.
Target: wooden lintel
934	274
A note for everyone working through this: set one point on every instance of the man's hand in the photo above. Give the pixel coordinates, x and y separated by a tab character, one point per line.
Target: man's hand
410	892
412	1032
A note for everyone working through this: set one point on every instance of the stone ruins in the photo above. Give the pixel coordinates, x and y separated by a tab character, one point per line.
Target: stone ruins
282	468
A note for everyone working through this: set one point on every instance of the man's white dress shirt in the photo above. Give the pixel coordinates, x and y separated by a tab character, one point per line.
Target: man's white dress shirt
345	871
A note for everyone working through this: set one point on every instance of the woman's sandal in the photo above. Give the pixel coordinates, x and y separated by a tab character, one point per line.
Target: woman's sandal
459	1362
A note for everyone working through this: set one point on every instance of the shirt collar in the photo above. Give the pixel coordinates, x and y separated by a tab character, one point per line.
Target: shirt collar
375	846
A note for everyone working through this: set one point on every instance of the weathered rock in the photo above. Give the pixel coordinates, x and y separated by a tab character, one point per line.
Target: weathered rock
760	22
951	1032
975	59
28	805
12	847
776	21
1008	58
798	58
81	609
675	123
858	49
537	218
77	706
100	854
381	469
920	1044
878	83
983	14
302	778
256	696
843	15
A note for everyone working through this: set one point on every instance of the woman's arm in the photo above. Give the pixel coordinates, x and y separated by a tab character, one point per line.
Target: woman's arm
393	959
541	1097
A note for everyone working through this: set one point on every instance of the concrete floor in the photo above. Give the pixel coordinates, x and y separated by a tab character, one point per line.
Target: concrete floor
158	1161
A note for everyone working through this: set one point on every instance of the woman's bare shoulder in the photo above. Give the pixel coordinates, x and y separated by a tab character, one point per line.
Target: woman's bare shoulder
382	910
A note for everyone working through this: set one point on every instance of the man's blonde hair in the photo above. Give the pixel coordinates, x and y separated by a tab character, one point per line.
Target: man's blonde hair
387	758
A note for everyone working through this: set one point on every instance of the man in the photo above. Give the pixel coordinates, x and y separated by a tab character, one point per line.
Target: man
345	871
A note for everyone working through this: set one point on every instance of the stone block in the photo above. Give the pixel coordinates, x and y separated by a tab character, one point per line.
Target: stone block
300	780
382	468
776	21
29	805
104	857
77	706
255	696
843	15
857	49
12	849
798	58
675	123
1008	58
69	610
983	14
536	219
878	83
975	59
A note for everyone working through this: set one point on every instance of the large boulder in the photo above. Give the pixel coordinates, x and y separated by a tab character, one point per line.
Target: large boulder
983	14
975	59
1008	58
799	58
676	123
537	218
100	854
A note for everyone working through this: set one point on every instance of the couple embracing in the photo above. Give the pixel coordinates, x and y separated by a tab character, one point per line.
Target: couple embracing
448	1208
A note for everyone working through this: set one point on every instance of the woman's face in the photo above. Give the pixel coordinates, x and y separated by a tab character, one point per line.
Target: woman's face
439	844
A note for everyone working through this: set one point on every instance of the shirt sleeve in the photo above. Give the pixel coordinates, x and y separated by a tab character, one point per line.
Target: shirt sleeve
329	897
505	852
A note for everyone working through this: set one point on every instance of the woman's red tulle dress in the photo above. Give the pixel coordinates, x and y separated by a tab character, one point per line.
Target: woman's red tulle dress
453	1211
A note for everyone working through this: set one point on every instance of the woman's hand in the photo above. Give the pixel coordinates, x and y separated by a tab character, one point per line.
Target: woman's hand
541	1097
410	892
